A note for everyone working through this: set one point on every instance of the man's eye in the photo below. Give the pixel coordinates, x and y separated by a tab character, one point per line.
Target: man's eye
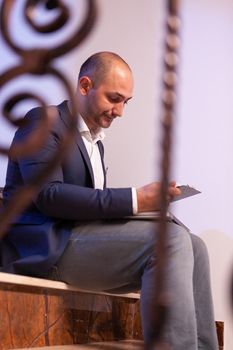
114	99
117	99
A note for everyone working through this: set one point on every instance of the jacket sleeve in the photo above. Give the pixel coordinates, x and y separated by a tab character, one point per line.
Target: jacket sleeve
74	202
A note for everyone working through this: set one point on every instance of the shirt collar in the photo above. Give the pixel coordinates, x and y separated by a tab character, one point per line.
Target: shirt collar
84	131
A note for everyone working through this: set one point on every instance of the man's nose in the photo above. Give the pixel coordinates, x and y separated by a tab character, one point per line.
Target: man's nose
118	109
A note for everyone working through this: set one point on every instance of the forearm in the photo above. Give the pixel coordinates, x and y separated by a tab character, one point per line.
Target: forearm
72	202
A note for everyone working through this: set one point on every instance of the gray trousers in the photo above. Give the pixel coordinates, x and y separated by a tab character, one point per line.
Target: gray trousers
119	256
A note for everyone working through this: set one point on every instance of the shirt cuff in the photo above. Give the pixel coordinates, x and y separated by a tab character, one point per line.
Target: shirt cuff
134	201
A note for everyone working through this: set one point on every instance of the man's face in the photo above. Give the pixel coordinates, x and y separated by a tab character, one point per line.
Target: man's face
106	101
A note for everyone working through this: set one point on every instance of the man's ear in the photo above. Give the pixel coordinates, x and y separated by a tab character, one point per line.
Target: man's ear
85	84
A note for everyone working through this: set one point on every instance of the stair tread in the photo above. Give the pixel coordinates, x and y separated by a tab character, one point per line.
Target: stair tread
108	345
20	280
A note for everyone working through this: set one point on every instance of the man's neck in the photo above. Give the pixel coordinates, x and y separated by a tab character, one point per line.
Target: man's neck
92	128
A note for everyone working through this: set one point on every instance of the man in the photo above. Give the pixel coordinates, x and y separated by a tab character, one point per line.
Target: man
76	221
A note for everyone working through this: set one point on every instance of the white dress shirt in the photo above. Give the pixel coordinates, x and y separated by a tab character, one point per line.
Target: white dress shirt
90	141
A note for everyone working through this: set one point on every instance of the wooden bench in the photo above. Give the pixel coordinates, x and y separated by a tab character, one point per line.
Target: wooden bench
111	345
37	313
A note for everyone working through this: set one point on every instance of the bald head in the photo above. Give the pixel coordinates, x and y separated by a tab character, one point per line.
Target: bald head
105	85
99	65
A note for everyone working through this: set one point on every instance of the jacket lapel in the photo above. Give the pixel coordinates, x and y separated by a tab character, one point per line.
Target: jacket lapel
101	150
86	158
64	111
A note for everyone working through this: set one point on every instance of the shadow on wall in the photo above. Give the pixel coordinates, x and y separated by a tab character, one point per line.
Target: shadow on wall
220	247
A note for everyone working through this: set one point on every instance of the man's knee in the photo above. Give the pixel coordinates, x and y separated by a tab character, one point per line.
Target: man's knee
199	249
178	238
178	242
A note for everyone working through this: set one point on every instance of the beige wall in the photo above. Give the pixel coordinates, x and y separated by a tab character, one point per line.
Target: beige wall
133	28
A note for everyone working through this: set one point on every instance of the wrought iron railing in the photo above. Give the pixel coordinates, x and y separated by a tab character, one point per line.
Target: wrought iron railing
38	62
168	97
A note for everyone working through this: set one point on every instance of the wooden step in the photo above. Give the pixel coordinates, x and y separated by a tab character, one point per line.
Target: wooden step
112	345
40	283
36	313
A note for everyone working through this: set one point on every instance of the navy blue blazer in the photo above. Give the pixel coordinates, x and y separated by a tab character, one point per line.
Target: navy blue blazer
39	235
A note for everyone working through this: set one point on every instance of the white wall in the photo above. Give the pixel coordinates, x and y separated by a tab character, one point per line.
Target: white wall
204	122
204	138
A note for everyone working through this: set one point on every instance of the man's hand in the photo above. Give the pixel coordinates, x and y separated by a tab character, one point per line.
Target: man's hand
148	196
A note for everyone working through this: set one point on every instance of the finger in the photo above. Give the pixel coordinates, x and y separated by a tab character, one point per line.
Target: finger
174	191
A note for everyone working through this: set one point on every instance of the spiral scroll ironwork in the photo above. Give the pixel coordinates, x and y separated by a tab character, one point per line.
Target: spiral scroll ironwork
38	62
170	78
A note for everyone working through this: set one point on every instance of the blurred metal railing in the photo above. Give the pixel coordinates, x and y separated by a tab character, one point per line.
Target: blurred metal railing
168	99
38	62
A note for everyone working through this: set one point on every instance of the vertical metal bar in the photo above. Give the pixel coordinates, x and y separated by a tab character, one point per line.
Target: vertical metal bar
169	96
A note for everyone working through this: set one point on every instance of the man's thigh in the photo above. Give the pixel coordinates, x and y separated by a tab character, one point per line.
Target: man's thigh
112	254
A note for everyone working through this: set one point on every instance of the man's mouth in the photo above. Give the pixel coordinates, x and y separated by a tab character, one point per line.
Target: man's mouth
109	119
